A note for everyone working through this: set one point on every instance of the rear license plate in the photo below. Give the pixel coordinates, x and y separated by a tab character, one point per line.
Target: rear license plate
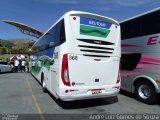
96	92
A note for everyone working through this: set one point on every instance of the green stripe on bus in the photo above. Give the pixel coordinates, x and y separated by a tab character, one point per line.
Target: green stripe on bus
43	61
94	31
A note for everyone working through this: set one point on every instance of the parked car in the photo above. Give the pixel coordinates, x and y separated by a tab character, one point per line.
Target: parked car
6	67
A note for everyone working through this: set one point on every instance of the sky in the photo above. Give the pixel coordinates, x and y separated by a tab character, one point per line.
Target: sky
41	14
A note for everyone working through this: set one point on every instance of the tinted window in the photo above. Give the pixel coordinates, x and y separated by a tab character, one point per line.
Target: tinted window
151	23
141	26
130	61
131	28
52	38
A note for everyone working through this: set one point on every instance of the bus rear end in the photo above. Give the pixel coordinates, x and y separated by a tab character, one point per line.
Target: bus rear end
91	56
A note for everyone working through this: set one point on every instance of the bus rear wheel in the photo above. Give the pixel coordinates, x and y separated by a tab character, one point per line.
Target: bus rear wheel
43	83
145	92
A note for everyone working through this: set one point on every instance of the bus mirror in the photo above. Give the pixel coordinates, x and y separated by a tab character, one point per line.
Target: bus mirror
52	62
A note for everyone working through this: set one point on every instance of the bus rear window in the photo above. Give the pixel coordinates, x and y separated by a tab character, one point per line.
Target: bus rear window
92	27
83	27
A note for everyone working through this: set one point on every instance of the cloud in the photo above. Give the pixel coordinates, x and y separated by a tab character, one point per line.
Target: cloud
99	5
103	8
130	3
121	3
75	2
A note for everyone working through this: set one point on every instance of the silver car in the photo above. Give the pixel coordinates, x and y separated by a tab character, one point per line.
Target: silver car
6	67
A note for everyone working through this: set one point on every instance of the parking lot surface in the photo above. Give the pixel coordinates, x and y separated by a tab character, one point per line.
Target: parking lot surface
20	93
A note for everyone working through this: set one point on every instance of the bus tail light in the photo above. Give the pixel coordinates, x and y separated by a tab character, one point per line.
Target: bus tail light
65	71
119	78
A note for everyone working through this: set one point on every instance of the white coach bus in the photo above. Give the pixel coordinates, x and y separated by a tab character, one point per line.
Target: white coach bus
78	57
140	61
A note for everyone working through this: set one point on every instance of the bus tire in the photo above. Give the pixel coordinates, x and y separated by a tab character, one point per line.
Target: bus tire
43	83
145	92
0	70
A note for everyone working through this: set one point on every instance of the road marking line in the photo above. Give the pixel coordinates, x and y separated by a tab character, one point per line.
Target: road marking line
35	100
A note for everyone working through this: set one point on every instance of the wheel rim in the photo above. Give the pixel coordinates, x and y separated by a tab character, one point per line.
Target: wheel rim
144	91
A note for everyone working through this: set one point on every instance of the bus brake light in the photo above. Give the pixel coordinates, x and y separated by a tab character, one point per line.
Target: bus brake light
65	72
119	78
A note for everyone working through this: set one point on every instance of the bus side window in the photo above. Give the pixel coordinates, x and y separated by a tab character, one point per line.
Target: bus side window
59	33
54	37
62	33
151	23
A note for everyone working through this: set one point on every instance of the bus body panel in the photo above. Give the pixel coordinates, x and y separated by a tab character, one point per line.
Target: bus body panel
77	38
148	64
87	72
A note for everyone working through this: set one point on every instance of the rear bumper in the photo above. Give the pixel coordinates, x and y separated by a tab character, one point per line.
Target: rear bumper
79	93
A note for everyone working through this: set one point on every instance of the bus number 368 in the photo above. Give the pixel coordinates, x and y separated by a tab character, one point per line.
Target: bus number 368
72	57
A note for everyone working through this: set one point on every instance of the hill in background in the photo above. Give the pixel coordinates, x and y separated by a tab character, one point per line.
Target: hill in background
20	43
12	47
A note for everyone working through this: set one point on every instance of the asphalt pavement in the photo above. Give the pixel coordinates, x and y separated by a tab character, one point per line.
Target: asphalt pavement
21	93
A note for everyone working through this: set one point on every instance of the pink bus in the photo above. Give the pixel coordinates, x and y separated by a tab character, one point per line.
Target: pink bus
140	61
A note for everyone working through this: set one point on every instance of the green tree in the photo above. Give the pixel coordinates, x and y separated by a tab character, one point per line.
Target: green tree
3	50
